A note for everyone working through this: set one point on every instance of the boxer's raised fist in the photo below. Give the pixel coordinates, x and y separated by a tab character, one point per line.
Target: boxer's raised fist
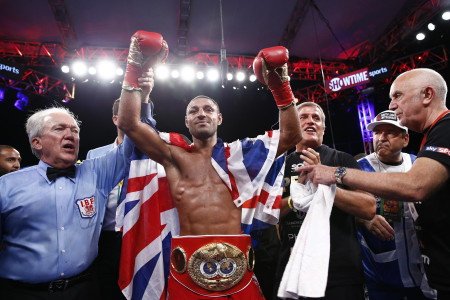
146	48
270	67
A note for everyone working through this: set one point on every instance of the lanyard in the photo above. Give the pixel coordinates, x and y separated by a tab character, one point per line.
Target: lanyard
425	137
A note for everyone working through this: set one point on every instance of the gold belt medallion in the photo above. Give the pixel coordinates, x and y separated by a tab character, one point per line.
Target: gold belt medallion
217	266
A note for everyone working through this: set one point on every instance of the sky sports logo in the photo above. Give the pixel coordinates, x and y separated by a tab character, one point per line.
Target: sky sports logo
438	150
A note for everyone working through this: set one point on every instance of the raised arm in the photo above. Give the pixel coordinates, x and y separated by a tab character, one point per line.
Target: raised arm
289	129
146	49
270	67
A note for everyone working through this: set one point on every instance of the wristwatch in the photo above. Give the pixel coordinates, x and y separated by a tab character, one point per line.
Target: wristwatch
339	174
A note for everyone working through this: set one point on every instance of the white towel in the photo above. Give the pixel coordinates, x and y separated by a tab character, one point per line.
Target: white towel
302	194
306	272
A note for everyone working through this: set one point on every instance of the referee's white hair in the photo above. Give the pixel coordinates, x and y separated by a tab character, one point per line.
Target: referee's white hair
36	124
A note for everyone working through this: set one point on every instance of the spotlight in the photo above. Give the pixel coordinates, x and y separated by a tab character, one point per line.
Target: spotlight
252	78
240	76
446	15
21	102
187	73
92	71
175	73
420	36
431	26
229	76
212	75
119	71
65	69
200	75
106	70
79	68
162	72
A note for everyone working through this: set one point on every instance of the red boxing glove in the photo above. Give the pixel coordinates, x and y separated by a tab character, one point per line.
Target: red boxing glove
270	67
146	48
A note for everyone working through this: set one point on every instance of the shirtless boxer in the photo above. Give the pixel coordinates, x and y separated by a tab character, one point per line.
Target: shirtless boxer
209	213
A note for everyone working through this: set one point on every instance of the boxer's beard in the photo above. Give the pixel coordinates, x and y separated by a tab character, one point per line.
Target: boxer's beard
202	135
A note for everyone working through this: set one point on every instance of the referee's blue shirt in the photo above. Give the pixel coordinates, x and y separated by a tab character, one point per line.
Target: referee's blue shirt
49	230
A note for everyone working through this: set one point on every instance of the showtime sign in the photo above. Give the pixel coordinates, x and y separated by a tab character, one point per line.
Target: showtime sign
10	70
347	81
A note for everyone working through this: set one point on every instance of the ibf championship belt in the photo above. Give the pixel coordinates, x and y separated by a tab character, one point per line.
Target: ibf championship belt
212	265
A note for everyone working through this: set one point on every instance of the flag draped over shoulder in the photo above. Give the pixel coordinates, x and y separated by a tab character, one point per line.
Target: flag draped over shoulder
253	175
148	218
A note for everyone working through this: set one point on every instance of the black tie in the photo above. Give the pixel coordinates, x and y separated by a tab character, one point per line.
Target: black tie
53	173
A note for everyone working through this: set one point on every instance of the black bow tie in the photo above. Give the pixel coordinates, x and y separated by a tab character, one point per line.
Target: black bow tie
53	173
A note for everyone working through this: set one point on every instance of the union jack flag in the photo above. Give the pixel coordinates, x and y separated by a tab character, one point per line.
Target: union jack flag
149	219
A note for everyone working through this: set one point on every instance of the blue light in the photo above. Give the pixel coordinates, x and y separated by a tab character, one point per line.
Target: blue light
21	102
2	94
366	113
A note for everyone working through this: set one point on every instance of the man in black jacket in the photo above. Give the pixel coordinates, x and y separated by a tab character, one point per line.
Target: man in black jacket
345	275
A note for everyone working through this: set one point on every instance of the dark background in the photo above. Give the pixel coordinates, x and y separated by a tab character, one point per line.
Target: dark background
248	27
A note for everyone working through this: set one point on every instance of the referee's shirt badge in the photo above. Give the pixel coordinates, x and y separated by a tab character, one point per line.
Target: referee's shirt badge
87	207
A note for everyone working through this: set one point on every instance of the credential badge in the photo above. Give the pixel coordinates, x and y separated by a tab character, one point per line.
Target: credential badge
87	207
